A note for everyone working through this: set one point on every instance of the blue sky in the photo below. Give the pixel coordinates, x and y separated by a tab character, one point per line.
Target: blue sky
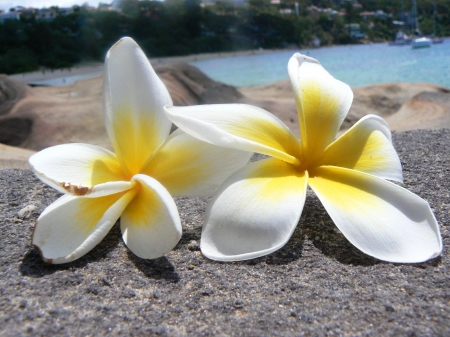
7	4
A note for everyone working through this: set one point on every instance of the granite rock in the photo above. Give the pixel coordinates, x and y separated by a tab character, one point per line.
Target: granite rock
317	285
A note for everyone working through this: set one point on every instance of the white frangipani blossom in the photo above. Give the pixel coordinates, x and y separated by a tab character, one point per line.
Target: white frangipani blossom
256	210
136	182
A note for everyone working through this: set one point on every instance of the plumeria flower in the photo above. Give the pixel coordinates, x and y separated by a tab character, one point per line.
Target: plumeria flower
256	210
137	181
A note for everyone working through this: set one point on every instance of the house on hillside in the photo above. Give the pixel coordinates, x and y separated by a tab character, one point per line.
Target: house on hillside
27	13
88	8
206	3
46	14
10	16
286	11
354	31
377	14
66	10
317	10
102	7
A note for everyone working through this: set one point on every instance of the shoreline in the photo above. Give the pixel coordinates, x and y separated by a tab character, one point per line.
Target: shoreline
90	70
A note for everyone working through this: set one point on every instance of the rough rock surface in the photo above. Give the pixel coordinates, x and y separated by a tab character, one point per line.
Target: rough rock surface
317	285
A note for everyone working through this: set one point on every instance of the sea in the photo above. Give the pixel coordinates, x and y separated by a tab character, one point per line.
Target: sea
356	65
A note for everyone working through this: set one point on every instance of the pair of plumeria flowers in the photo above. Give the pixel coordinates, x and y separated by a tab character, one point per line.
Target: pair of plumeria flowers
255	206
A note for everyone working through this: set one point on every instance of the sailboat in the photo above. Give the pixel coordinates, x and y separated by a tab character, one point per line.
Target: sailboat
401	39
420	42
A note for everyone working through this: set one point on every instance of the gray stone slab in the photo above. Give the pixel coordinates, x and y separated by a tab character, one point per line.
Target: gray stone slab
317	285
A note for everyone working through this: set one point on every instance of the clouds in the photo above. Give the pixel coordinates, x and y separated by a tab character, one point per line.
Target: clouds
7	4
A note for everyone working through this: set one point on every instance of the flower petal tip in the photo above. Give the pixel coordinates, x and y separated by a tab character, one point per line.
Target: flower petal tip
151	225
41	253
125	39
213	254
303	58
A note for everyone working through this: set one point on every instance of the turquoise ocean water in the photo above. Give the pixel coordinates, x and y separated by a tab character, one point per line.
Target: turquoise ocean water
356	65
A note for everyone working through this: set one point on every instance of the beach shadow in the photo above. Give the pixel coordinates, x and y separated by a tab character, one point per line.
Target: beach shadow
436	262
325	236
317	227
33	266
292	251
160	268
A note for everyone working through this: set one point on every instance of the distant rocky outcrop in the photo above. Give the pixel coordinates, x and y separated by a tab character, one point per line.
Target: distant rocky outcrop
189	86
11	91
428	109
39	117
387	100
405	106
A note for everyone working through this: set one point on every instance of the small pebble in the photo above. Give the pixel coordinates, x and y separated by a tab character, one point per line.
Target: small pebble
26	211
193	245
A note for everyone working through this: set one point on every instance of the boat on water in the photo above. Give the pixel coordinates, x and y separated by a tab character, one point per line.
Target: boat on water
421	42
401	39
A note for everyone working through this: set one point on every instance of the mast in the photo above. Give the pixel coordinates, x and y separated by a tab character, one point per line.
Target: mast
402	17
434	20
416	20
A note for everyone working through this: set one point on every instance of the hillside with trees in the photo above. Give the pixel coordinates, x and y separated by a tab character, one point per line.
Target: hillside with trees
179	27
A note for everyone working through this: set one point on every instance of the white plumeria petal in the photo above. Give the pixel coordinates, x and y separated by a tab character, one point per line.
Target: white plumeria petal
72	226
322	103
134	97
238	126
77	168
380	218
254	212
188	167
150	224
366	147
